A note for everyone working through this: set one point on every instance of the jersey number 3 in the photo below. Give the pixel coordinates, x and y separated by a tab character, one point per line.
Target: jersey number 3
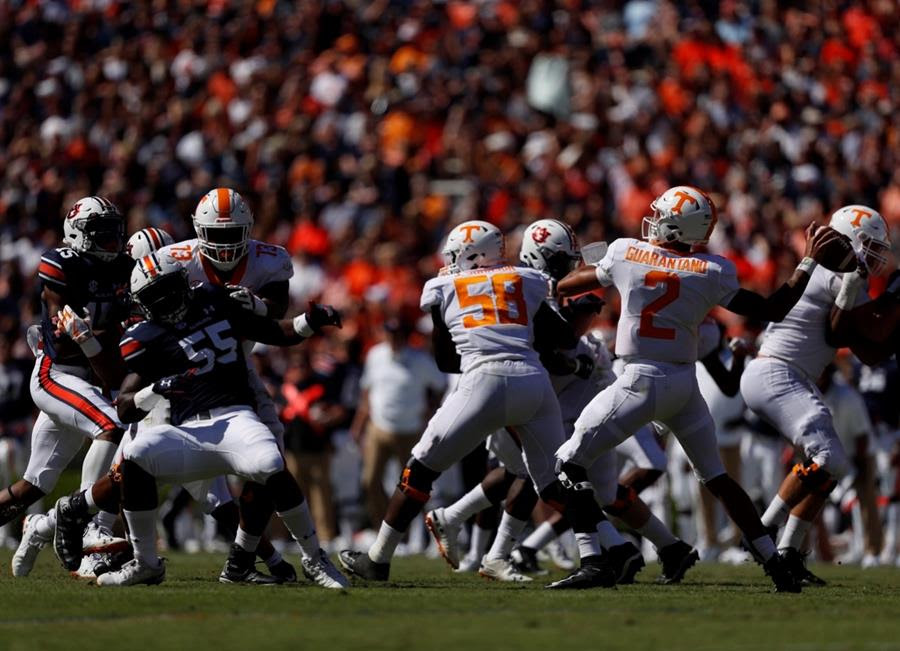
224	349
672	284
502	289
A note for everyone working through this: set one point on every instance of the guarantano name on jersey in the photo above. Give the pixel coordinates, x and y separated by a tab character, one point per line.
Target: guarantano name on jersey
665	297
84	281
490	312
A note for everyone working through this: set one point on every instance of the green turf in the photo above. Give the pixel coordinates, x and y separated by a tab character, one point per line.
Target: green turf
428	607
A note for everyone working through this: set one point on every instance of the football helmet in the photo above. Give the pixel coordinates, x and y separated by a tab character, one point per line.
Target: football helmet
472	245
95	226
159	286
550	245
146	241
223	221
680	214
868	232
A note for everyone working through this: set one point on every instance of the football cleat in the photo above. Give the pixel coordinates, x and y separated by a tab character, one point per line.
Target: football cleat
595	572
284	572
445	535
359	564
781	575
626	561
469	563
676	560
100	540
321	571
559	556
71	518
524	560
746	545
796	564
92	566
500	569
134	572
29	547
240	567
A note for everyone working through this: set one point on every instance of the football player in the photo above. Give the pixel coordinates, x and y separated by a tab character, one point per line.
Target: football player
188	351
667	290
146	241
486	315
780	384
87	276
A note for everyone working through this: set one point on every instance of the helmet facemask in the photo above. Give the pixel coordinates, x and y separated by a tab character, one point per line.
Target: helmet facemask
166	299
223	245
874	254
102	237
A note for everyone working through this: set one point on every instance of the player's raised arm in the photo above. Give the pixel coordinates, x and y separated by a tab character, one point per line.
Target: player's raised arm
445	354
584	279
819	243
283	332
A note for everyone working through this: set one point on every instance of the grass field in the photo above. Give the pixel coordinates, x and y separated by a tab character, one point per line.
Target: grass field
428	607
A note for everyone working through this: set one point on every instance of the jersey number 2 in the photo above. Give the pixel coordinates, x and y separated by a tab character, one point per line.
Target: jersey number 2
224	349
672	284
503	289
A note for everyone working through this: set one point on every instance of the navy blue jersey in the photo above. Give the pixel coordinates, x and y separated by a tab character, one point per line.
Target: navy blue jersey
84	281
206	340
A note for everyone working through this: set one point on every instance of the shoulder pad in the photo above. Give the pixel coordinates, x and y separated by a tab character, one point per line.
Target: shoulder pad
53	264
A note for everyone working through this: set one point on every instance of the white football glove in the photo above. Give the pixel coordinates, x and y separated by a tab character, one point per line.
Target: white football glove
248	300
78	329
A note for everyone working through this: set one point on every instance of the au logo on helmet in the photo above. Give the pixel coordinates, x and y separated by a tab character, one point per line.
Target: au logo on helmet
540	234
74	211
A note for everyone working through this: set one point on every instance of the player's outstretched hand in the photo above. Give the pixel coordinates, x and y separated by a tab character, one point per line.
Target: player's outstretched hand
76	327
173	386
818	238
741	347
319	316
247	300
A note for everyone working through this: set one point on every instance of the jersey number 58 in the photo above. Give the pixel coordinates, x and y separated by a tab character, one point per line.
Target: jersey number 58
496	294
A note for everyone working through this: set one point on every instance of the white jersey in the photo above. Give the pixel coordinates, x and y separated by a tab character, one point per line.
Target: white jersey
490	312
800	338
665	297
263	264
575	393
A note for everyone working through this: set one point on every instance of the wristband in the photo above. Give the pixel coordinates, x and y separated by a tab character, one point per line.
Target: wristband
146	399
807	264
302	327
850	286
91	347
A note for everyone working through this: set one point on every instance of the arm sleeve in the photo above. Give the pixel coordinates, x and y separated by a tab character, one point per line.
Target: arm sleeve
728	283
604	268
431	295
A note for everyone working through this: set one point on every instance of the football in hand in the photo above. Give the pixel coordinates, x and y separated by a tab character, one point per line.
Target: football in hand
838	254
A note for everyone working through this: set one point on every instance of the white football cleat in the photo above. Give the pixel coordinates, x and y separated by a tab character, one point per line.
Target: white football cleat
92	566
469	563
29	547
322	571
500	569
445	535
559	556
100	540
133	573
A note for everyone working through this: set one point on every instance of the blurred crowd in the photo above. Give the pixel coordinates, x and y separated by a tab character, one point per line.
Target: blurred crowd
359	131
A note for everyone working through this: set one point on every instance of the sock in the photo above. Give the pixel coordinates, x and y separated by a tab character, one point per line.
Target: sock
777	512
246	541
608	535
97	461
45	525
764	546
657	533
480	539
89	498
300	524
588	544
540	537
382	550
105	520
142	528
509	530
466	506
274	559
794	533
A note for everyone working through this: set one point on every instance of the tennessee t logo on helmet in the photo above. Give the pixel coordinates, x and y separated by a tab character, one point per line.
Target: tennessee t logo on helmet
468	228
682	197
858	215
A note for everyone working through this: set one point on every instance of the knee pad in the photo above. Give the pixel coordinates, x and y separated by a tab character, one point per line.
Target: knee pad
815	478
625	497
416	480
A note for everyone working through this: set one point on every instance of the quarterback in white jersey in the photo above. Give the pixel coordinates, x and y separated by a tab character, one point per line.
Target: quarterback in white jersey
486	316
780	384
667	290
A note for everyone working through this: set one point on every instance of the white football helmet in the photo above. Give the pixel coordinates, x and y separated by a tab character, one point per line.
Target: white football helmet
159	286
551	246
680	214
868	232
223	221
146	241
95	226
472	245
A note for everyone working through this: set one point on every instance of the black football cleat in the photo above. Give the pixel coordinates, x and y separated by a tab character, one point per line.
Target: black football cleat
796	564
626	561
595	572
676	560
241	568
781	575
72	517
524	561
284	572
360	565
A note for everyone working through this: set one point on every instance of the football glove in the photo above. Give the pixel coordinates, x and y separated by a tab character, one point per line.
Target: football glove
78	329
318	316
173	386
248	300
584	366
